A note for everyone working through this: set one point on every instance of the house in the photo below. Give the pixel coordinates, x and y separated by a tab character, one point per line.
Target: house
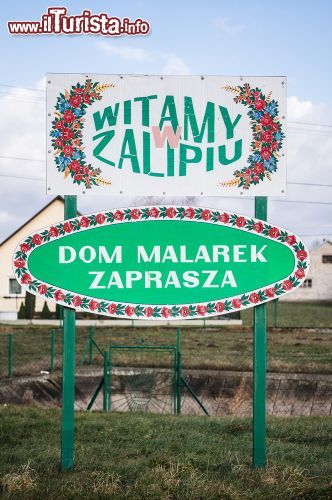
318	284
12	294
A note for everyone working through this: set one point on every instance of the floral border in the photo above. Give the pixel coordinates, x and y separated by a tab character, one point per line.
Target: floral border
267	136
150	311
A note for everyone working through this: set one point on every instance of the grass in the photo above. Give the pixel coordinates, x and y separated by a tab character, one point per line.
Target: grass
140	456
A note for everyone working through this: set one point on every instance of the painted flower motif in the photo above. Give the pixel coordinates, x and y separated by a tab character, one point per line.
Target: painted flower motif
76	301
112	308
68	116
189	212
170	212
84	222
258	168
100	218
24	247
154	212
26	279
266	120
37	239
59	124
166	312
184	311
301	255
206	215
270	292
75	166
290	239
130	311
148	311
75	101
240	222
118	215
42	289
219	307
135	213
236	303
201	309
259	104
68	150
287	285
67	227
254	298
67	134
274	232
59	295
300	273
93	305
19	263
53	232
258	227
265	153
267	136
224	218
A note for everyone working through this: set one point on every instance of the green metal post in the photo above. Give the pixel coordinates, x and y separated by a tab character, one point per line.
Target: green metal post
52	350
10	356
259	366
179	374
90	344
106	383
68	369
276	303
110	361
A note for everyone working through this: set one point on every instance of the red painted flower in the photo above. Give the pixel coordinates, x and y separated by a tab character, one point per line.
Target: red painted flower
130	311
37	239
259	104
236	303
78	177
26	278
224	218
206	215
266	136
79	90
201	310
258	227
258	168
266	120
274	232
135	213
112	308
219	307
291	239
68	150
154	212
254	298
275	126
255	179
240	222
59	295
166	312
171	212
67	134
76	301
86	98
42	289
189	212
118	215
100	218
75	101
93	305
19	263
68	116
300	273
148	312
59	124
53	232
84	222
270	292
59	143
287	285
75	166
265	153
184	311
24	247
301	255
67	227
257	94
274	145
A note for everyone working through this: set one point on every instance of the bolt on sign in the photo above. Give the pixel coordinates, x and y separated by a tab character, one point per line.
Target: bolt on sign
169	135
161	262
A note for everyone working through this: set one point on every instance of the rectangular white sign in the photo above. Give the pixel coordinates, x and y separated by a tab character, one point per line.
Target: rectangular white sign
166	135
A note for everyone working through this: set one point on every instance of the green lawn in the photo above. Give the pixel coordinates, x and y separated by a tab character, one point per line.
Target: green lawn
162	457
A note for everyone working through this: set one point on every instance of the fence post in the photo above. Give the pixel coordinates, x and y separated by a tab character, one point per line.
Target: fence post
52	350
106	402
179	374
10	356
276	302
90	344
259	366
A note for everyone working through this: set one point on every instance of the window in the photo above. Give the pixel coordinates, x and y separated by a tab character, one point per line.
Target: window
307	283
14	287
327	259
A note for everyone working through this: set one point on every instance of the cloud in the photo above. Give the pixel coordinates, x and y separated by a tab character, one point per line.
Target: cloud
223	24
128	53
174	65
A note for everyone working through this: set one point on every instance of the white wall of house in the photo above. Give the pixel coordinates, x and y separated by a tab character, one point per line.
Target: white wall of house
319	277
9	300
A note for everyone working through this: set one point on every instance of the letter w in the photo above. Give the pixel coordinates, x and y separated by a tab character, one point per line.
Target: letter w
167	133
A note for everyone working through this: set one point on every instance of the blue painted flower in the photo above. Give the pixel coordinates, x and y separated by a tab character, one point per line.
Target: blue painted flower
77	155
257	115
271	164
78	112
278	136
257	157
271	108
55	133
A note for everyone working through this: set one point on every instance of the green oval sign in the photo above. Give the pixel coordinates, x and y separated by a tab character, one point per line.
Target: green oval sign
161	262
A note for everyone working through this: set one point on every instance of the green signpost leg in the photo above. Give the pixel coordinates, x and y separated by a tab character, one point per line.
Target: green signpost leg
179	373
68	369
259	366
